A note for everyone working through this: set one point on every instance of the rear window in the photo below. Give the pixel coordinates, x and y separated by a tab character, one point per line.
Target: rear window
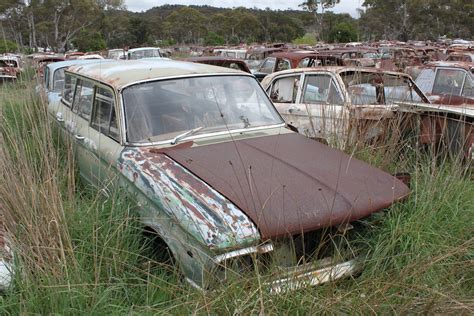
449	81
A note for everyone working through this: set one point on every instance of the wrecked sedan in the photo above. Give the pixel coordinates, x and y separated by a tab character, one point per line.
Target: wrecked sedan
216	173
340	105
447	82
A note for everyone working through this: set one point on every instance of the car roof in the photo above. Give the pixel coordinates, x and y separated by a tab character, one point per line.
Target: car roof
141	48
332	69
452	64
61	64
335	69
120	74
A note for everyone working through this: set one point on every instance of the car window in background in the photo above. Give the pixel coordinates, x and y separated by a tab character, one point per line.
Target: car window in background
284	90
448	81
320	88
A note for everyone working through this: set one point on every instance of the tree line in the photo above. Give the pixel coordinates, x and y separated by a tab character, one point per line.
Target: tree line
98	24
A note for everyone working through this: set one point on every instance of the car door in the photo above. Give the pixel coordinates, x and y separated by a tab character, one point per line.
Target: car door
104	132
313	103
63	114
79	129
322	100
284	91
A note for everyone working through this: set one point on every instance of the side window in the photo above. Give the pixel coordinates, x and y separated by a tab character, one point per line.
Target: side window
303	63
104	119
268	65
425	79
46	78
58	80
448	81
468	90
284	90
69	87
321	89
283	64
83	98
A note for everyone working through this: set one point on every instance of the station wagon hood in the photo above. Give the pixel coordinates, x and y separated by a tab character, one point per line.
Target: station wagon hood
288	184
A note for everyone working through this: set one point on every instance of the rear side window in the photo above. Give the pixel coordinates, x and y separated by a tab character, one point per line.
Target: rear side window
58	80
69	86
104	119
283	64
284	90
468	90
449	81
83	98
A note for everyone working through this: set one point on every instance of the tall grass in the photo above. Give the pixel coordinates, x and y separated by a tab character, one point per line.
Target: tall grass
79	252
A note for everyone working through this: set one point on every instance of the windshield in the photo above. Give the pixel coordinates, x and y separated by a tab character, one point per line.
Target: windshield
162	110
145	53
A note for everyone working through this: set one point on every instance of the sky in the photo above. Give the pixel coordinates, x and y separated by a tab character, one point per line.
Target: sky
345	6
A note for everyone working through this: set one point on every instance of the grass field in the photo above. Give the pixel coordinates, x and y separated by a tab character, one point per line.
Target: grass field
77	252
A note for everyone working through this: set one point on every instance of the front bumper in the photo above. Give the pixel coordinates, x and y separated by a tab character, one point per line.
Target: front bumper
306	275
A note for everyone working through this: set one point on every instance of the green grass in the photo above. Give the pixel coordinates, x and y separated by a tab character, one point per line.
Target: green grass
77	252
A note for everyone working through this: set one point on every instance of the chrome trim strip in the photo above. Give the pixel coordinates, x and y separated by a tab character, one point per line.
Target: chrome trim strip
267	247
194	284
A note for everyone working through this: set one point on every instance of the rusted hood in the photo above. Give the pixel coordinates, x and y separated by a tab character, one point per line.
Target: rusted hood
288	183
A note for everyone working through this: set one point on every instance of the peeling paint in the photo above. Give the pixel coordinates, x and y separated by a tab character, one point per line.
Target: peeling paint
202	211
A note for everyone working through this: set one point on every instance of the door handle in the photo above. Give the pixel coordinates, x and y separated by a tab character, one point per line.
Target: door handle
59	117
79	137
292	110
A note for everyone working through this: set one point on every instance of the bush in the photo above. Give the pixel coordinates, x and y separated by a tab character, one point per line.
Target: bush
307	39
7	46
213	39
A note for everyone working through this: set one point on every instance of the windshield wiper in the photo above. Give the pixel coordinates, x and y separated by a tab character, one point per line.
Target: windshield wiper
245	120
175	140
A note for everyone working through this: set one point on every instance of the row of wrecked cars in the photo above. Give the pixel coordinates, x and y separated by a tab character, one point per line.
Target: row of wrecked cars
225	170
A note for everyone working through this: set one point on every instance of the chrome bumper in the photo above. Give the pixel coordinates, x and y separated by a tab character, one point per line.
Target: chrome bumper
305	276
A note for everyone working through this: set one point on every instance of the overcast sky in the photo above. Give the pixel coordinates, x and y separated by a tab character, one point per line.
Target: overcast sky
345	6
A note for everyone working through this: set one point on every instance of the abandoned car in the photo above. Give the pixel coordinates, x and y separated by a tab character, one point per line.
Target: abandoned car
9	68
220	61
290	60
143	52
449	122
217	174
447	82
327	103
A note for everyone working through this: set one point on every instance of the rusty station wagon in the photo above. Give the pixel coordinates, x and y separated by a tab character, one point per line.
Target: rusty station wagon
216	173
326	103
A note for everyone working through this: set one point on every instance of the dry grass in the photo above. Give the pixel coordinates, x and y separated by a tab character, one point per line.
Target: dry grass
77	252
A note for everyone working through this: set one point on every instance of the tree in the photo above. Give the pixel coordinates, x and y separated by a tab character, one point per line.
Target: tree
213	39
417	19
88	41
186	25
343	33
313	7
